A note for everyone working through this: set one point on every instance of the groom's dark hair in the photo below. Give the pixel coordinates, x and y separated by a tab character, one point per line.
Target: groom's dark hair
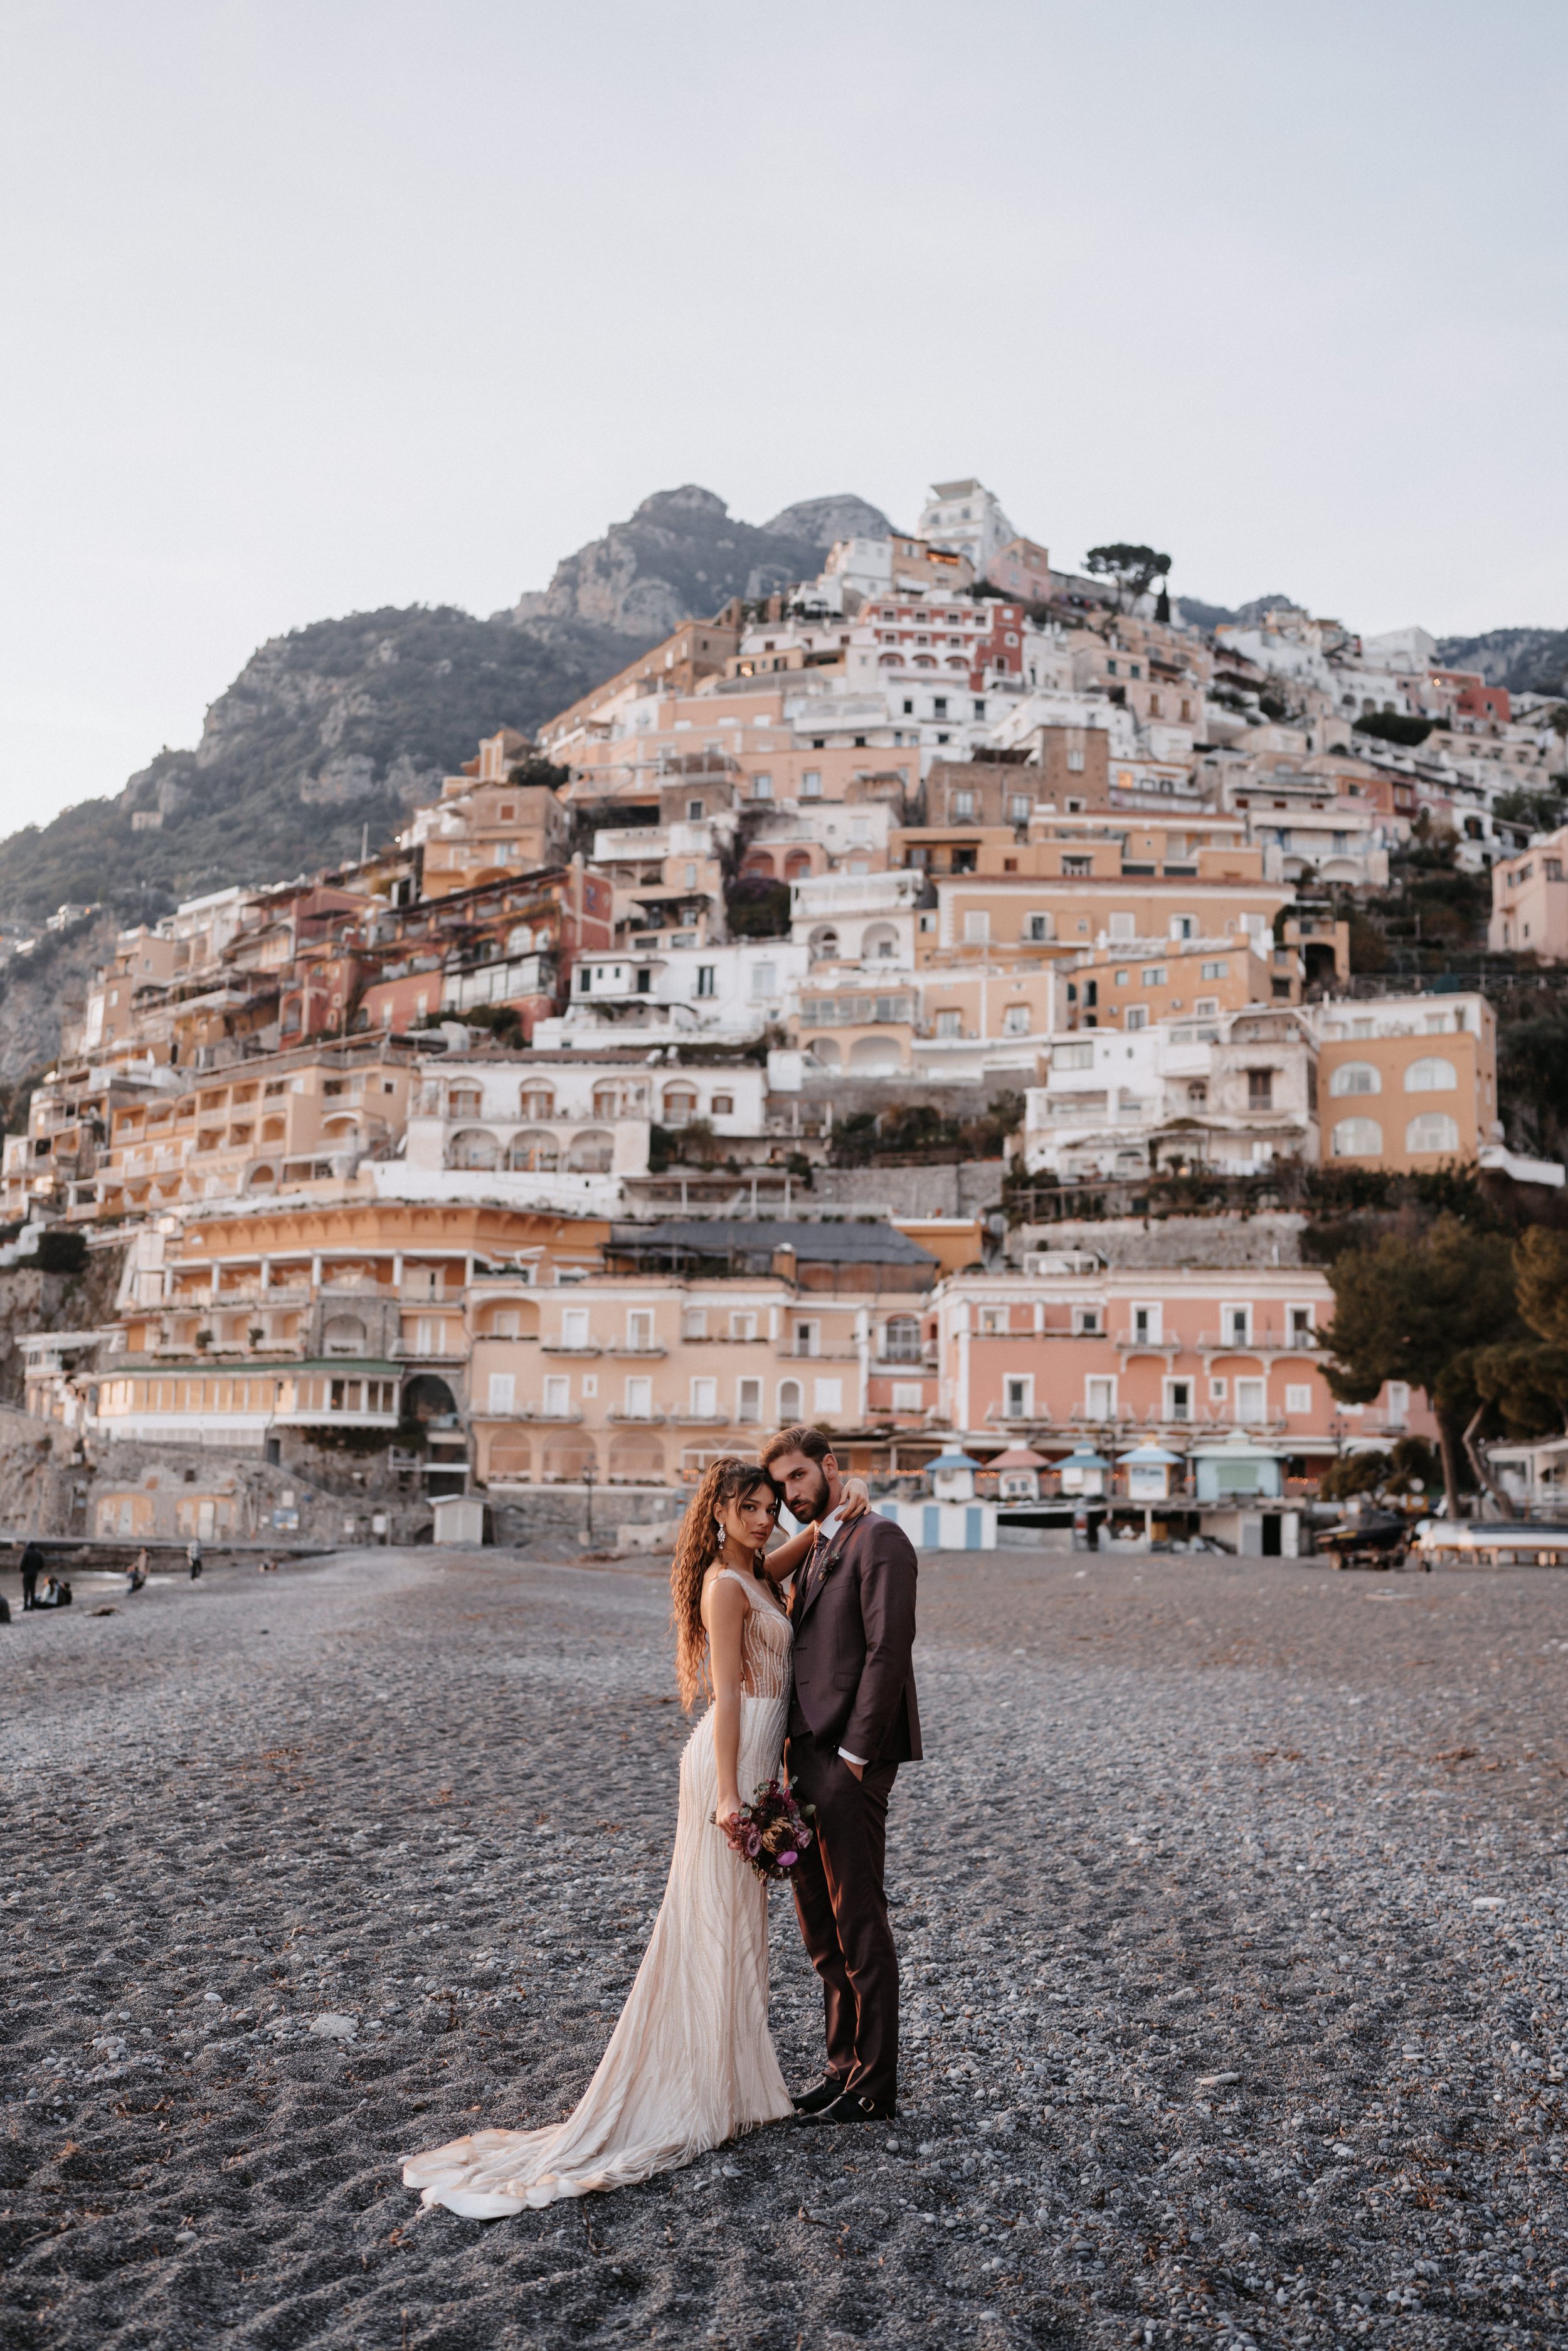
814	1443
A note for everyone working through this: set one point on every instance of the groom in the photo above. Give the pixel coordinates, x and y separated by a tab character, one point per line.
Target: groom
853	1721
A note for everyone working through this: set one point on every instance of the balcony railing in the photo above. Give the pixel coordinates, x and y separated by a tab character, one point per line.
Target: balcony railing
1267	1342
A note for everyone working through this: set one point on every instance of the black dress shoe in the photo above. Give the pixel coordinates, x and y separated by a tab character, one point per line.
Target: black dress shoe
820	2094
851	2107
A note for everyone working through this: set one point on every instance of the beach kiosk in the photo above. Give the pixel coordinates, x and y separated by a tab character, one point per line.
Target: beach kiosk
1016	1473
952	1519
1083	1472
1148	1473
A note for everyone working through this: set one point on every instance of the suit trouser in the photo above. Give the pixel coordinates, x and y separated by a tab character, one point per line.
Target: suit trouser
842	1910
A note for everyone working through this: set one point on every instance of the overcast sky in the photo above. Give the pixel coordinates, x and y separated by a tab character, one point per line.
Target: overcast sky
315	307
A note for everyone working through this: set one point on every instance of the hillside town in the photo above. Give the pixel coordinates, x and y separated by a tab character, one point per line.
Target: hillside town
919	1001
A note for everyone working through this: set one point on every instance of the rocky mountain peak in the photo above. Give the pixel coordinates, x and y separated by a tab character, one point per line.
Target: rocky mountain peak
682	553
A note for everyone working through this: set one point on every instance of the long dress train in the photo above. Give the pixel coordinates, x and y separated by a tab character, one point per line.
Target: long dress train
691	2061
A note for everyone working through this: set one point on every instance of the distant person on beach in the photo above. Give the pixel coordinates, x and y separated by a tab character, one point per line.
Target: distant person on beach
55	1595
269	1567
193	1560
32	1568
138	1575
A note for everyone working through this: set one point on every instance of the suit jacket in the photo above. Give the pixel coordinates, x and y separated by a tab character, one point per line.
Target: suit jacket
854	1632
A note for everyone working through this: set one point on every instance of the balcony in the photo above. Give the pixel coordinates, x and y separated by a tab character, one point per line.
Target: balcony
626	1354
1267	1342
559	1347
232	1301
643	1419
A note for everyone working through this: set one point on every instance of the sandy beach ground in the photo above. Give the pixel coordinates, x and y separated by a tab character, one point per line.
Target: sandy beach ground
1231	1905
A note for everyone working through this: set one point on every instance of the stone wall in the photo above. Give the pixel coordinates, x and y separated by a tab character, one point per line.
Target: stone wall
969	1188
624	1517
1271	1238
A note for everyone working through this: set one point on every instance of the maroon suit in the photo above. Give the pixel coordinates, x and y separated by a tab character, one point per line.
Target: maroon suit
853	1614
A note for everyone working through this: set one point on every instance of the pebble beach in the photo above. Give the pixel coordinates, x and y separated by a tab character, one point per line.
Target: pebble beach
1230	1902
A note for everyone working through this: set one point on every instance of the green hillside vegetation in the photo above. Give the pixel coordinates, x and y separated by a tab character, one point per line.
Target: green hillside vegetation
336	729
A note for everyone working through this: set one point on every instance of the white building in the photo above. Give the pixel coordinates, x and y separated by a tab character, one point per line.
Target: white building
967	519
1410	649
1232	1093
720	994
867	920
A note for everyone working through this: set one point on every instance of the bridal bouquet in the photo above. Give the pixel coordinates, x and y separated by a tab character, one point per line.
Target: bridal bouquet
771	1832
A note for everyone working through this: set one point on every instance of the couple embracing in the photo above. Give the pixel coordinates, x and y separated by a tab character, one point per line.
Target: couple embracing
821	1681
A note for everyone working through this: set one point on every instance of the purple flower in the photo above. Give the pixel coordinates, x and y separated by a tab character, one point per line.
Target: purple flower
787	1860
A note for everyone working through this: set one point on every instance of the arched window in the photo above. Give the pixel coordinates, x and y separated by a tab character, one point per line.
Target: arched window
1431	1075
636	1460
463	1102
890	661
534	1153
592	1152
566	1458
538	1101
789	1403
680	1105
474	1148
343	1334
825	1051
798	865
511	1457
822	947
879	942
1433	1131
606	1102
1355	1078
520	939
1357	1138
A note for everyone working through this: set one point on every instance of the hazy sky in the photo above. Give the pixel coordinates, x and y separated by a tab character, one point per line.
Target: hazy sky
313	307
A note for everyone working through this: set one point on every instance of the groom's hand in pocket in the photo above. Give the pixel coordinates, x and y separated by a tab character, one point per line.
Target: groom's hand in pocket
858	1768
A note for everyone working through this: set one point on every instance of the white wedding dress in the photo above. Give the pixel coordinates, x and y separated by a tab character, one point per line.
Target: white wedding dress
691	2061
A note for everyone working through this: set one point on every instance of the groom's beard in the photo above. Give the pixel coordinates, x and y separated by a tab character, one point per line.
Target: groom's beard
815	1505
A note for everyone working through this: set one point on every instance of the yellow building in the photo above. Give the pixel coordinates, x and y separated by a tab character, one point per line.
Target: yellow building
1142	984
1053	915
644	1373
288	1120
486	829
342	1315
1407	1081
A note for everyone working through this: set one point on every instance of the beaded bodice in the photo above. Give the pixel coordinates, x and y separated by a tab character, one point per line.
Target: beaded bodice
766	1640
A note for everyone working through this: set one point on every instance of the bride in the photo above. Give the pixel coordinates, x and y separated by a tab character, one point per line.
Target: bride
691	2062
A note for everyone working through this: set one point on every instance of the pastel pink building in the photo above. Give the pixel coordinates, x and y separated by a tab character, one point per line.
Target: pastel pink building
1075	1348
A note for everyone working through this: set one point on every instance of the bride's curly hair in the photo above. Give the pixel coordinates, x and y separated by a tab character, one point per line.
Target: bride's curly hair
728	1479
